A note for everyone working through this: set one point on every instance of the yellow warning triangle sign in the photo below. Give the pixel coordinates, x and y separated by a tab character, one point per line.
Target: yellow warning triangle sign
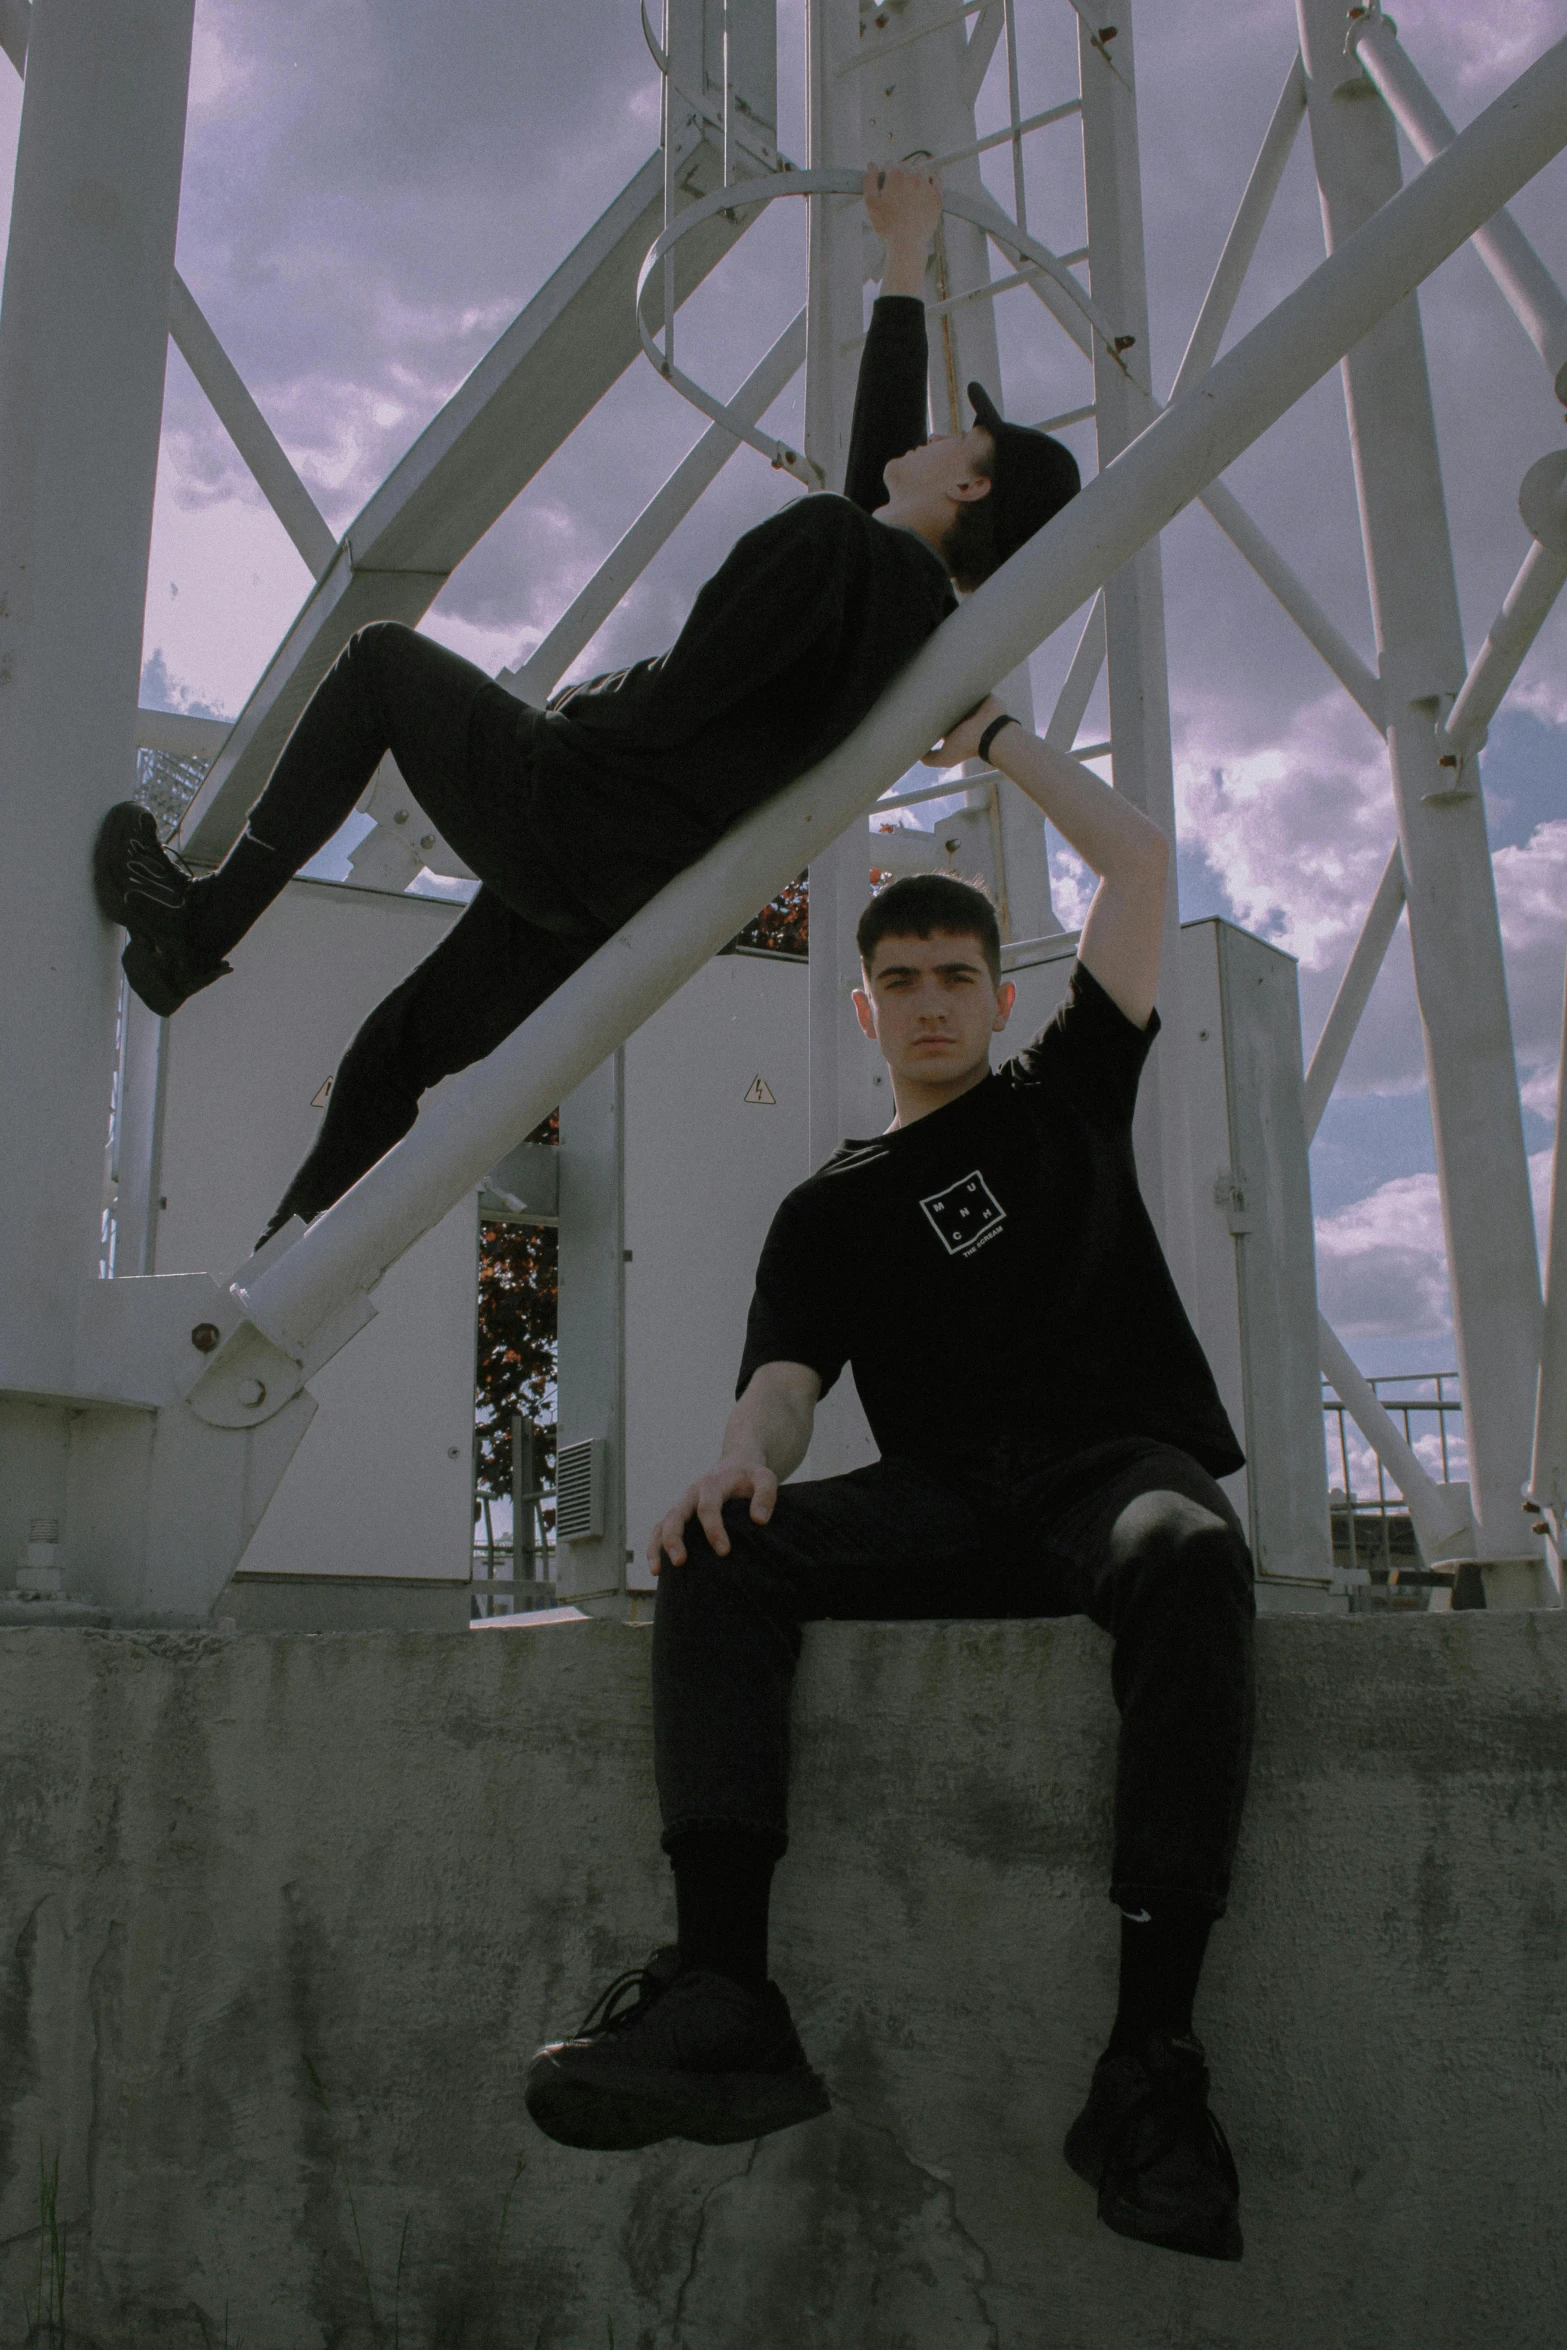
760	1091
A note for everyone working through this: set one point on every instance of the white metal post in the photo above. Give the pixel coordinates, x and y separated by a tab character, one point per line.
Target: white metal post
840	1070
138	1136
1454	930
591	1365
1134	600
84	328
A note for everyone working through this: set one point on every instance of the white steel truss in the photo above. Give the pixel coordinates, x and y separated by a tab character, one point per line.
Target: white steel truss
125	1349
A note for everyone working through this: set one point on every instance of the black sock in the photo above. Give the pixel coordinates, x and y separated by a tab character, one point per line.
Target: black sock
1162	1946
224	904
723	1877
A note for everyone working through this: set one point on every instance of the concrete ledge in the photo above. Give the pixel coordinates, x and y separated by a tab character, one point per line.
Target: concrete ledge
284	1917
344	1603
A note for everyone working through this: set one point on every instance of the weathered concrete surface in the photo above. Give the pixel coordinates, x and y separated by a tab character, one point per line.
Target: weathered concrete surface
388	1863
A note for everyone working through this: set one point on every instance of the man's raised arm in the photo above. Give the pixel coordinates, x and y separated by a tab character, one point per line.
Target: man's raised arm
765	1440
1124	931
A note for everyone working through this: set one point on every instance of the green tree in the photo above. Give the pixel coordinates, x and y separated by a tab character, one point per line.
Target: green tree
518	1310
783	924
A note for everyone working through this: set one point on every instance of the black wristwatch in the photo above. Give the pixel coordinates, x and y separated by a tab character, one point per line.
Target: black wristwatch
993	729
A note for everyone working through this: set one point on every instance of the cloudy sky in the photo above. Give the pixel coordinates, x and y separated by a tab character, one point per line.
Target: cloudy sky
373	188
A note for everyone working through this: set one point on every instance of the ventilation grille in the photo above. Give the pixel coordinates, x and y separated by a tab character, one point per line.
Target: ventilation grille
579	1491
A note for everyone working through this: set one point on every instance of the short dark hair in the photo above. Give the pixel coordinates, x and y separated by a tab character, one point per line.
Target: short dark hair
969	548
932	905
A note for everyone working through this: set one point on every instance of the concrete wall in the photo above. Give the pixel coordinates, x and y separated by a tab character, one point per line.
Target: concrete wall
389	1863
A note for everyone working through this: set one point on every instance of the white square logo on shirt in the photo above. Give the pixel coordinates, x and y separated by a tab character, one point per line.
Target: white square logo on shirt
965	1214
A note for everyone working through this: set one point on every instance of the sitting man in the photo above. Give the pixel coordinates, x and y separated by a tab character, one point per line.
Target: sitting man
999	1206
575	815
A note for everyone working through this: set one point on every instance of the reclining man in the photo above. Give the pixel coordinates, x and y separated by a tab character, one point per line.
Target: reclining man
574	816
1070	1478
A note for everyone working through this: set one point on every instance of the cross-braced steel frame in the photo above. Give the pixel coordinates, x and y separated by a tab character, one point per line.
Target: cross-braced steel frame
105	86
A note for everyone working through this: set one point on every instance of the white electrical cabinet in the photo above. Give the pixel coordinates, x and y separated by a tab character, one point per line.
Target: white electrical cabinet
382	1484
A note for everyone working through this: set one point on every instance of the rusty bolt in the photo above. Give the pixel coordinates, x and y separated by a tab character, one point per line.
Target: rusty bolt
1107	32
1447	760
1123	343
205	1337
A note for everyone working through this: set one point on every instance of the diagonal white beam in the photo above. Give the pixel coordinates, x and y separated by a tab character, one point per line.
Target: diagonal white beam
980	49
1362	685
1442	1529
536	677
525	397
1525	610
218	377
1082	676
248	429
1248	540
1354	990
321	1283
1241	243
1526	285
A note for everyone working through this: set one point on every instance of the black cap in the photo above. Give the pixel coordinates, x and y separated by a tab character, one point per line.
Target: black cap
1034	476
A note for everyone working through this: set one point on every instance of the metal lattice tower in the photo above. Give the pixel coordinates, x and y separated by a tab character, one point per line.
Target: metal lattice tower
88	309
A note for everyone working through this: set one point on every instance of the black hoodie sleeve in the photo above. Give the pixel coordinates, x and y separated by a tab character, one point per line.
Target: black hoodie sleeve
890	404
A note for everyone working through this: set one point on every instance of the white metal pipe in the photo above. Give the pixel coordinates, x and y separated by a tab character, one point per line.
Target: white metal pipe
1525	609
1290	591
1441	1530
1249	541
1548	1462
1528	287
1030	122
1241	243
248	429
1015	110
478	1116
979	49
1362	685
1136	657
536	677
1354	990
83	352
1077	687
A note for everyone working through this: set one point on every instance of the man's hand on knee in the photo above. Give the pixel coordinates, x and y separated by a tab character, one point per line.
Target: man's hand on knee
731	1479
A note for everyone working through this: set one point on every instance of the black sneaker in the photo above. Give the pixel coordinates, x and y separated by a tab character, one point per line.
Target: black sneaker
1158	2157
143	887
694	2055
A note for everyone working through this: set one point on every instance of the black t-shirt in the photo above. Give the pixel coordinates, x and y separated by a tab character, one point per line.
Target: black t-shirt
991	1271
787	648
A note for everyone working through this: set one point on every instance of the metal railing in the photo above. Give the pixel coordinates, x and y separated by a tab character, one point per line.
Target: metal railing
1377	1533
527	1577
